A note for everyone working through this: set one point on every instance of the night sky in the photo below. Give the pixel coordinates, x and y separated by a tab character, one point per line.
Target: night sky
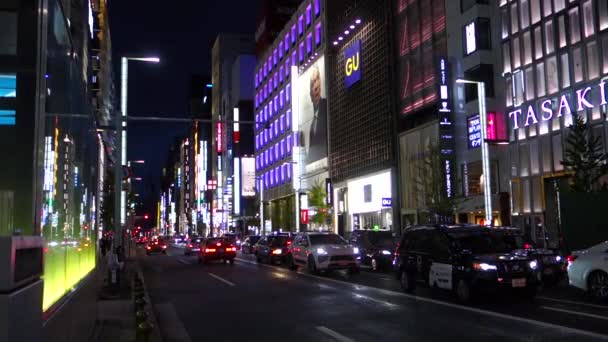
182	36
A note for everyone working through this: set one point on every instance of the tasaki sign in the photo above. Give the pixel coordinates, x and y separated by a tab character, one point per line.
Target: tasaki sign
352	64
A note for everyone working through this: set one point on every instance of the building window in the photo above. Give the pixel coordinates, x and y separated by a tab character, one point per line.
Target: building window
529	83
527	48
477	35
538	43
8	33
506	56
588	18
534	155
309	44
301	52
484	73
565	70
294	58
524	160
516	53
577	60
318	34
514	18
552	83
559	5
287	67
281	48
518	88
603	15
282	99
547	8
535	10
294	36
509	95
281	74
575	28
605	54
593	69
288	119
561	26
275	57
540	79
549	37
308	15
504	12
301	25
557	152
288	93
524	11
286	42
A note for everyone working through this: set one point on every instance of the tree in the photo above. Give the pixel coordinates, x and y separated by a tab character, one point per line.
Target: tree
584	157
431	185
317	198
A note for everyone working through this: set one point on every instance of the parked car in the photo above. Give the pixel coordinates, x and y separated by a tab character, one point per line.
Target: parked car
465	259
588	270
193	246
551	264
156	246
234	237
217	249
375	247
273	249
322	251
248	243
141	241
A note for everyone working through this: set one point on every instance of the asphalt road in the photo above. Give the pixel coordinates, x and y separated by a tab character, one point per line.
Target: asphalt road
251	302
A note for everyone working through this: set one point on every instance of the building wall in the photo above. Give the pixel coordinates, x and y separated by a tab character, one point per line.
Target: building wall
549	52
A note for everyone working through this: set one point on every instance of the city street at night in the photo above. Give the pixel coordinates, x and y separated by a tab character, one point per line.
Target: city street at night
259	302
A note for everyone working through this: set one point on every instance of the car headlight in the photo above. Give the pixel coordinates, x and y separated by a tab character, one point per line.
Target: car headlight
385	252
484	267
533	264
558	258
356	250
321	251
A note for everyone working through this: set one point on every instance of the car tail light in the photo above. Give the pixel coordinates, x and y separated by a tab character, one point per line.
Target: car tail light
209	250
288	242
218	244
148	247
277	252
571	258
164	246
190	245
527	246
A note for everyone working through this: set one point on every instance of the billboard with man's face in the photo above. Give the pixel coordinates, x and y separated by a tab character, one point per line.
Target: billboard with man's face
312	106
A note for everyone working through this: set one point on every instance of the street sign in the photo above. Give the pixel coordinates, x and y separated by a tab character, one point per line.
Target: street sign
304	216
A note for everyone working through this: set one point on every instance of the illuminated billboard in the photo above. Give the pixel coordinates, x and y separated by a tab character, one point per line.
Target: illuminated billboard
352	64
248	177
312	110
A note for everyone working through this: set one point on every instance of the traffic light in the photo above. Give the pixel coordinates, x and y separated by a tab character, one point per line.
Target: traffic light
146	216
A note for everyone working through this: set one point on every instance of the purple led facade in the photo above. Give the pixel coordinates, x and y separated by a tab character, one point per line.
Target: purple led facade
296	139
265	137
294	35
282	99
276	127
287	67
300	25
275	57
276	104
317	7
276	175
318	34
282	148
282	174
265	113
294	58
308	15
256	80
289	144
289	167
288	93
271	155
301	52
309	44
276	80
289	119
276	151
282	123
286	41
281	74
265	158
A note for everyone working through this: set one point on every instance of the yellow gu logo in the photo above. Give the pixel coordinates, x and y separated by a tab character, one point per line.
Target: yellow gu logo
352	64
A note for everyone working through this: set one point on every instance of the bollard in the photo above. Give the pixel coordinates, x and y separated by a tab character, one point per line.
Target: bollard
140	304
143	331
139	295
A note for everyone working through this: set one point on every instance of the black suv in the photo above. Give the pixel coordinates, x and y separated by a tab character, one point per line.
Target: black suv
465	259
375	247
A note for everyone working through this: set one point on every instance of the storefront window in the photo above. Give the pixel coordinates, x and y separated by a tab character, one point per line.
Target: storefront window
516	197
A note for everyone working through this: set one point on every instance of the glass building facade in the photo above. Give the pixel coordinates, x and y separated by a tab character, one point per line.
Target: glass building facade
555	57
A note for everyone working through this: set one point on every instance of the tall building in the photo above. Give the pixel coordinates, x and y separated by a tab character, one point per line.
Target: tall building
291	157
438	42
226	49
555	62
361	115
56	94
271	18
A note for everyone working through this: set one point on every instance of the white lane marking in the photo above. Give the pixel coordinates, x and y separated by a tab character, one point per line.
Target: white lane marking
222	279
334	334
451	305
605	307
575	312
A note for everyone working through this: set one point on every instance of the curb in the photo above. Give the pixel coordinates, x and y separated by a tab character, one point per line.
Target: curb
155	336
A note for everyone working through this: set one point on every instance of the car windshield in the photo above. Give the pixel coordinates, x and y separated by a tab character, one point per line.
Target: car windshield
327	239
253	239
278	240
381	238
486	243
214	240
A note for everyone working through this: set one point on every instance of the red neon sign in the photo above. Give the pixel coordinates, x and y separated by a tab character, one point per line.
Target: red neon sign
304	216
218	137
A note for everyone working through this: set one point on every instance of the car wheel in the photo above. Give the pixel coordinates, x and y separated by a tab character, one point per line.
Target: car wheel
598	285
374	264
312	266
231	261
406	281
291	264
258	259
464	291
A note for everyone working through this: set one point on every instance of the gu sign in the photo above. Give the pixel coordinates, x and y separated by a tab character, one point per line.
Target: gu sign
352	64
585	98
387	202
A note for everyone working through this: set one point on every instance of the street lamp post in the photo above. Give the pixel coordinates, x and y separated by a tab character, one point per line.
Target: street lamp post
121	148
485	155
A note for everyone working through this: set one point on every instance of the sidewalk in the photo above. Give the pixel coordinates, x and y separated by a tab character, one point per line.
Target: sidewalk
115	308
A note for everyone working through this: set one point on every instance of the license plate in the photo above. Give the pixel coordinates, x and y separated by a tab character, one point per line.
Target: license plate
519	282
